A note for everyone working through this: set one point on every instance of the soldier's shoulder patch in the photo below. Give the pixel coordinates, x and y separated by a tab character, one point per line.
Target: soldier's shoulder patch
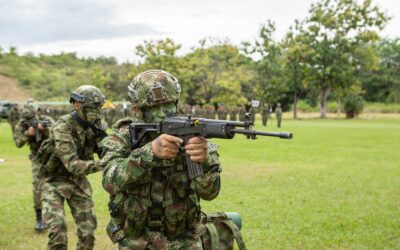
64	148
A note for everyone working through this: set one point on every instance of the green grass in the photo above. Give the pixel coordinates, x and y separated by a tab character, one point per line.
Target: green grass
334	186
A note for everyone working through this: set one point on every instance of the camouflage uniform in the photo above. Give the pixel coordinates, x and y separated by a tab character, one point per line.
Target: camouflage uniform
233	114
278	113
13	117
242	113
153	204
222	113
253	113
64	177
265	112
21	137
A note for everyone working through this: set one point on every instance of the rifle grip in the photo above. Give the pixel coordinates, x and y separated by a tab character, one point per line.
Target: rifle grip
193	169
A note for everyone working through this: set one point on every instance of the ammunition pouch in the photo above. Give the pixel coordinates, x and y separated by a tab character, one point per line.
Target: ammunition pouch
115	231
222	230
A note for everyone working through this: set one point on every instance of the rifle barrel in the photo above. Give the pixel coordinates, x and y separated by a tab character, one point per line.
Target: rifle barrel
283	135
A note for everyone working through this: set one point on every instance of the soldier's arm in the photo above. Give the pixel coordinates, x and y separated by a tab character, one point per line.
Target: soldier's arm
20	135
208	185
121	166
67	151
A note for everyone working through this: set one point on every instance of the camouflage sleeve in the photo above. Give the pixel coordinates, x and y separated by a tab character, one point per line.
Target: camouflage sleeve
20	135
208	185
123	166
67	151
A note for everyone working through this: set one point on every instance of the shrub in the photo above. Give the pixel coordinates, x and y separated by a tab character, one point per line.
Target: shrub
353	105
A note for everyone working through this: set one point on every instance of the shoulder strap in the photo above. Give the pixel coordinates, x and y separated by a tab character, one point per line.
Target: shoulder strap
99	132
214	237
236	233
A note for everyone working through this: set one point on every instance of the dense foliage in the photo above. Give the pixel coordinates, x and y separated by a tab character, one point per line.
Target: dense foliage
335	52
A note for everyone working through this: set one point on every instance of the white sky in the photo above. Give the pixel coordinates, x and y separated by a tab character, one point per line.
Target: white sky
115	27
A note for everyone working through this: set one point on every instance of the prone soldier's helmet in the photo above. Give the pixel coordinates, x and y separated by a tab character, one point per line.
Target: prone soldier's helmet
88	95
154	87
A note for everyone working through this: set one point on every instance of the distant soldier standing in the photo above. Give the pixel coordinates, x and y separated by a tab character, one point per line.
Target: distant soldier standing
233	113
253	112
222	113
242	113
13	116
265	112
68	157
278	113
33	130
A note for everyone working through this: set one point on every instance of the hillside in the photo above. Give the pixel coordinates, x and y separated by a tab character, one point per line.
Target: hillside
10	90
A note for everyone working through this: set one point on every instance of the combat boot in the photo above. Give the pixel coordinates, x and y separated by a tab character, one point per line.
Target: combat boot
40	225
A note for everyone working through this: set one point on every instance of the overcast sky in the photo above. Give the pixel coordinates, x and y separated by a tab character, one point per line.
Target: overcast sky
115	27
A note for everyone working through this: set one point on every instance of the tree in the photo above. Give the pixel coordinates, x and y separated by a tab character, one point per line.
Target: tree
338	31
215	74
383	83
295	52
269	85
159	54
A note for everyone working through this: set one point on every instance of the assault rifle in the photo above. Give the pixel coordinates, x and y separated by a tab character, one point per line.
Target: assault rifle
188	127
35	124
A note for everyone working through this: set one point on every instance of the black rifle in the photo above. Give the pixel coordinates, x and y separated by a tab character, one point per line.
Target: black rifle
35	124
188	127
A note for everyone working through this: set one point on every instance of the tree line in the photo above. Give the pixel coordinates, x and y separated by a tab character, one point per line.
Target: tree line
334	54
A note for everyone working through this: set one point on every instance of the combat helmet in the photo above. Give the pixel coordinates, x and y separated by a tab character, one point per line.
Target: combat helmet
152	88
88	95
28	112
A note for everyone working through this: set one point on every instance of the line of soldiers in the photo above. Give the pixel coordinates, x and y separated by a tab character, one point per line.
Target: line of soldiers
153	204
235	113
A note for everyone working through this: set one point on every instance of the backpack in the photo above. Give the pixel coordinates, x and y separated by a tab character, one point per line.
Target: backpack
222	230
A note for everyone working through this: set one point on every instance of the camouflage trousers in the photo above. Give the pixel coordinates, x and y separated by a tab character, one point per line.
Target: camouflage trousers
279	121
264	120
82	209
36	185
157	241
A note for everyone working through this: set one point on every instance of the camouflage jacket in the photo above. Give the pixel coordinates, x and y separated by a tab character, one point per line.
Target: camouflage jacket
74	147
13	116
21	137
147	192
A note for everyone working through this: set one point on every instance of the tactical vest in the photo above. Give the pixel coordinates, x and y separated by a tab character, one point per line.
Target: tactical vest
51	165
164	201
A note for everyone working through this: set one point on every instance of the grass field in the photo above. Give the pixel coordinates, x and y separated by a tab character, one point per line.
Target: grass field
336	185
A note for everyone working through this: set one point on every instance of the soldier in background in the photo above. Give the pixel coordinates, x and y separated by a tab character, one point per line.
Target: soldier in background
253	113
209	112
242	113
198	111
14	116
233	113
222	113
278	113
265	112
68	158
153	205
33	129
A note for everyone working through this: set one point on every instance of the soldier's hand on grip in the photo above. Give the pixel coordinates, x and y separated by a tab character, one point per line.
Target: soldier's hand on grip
31	131
166	146
197	149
